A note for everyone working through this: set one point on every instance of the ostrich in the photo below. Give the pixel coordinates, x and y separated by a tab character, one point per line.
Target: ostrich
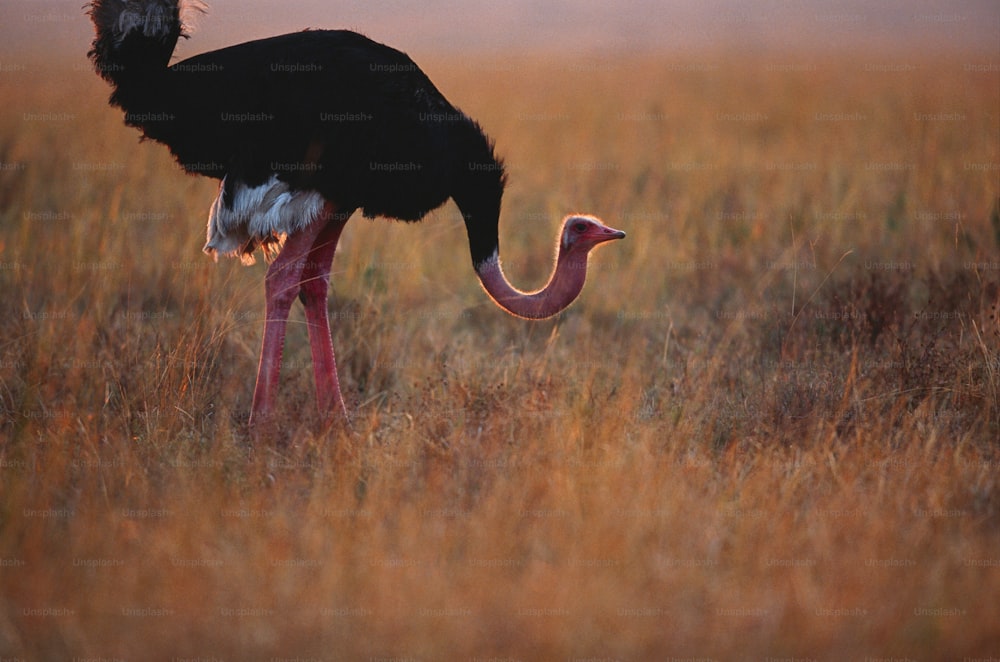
302	130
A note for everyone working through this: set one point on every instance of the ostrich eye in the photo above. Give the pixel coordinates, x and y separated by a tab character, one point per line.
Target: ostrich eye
580	227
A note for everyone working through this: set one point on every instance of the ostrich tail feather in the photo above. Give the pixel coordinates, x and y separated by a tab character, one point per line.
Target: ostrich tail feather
138	34
115	19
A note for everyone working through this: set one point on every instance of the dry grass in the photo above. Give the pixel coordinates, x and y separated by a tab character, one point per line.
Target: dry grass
769	428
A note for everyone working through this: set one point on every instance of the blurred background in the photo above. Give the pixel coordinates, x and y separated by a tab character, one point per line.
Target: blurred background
35	27
768	429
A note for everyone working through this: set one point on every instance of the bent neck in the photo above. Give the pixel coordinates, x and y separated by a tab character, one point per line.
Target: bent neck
562	289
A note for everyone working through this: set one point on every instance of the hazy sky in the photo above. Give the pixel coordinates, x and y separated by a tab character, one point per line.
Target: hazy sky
32	27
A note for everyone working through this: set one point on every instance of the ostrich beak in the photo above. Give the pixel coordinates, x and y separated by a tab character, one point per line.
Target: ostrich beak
604	233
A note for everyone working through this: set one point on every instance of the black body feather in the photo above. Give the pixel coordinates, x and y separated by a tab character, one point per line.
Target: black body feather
324	110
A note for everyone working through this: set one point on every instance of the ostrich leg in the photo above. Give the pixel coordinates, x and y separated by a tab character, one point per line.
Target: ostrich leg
315	283
281	286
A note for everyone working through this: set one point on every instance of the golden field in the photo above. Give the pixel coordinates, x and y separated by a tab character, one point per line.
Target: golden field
769	428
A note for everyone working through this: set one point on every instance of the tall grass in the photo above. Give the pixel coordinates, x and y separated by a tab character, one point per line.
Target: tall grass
768	428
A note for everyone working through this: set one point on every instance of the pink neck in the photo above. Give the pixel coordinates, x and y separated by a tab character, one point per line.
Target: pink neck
561	290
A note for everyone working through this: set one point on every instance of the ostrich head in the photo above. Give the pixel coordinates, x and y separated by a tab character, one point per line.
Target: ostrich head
580	234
